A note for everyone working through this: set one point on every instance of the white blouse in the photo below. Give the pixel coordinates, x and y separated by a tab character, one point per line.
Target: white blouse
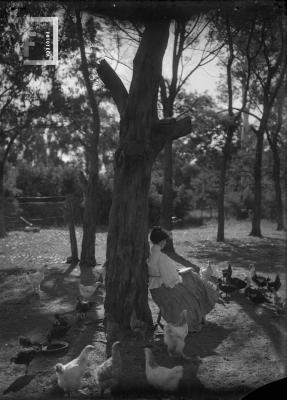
161	269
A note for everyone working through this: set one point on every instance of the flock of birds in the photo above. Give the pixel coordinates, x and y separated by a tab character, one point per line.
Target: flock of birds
258	288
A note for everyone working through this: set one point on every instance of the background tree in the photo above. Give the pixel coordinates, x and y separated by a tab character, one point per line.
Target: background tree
276	125
269	73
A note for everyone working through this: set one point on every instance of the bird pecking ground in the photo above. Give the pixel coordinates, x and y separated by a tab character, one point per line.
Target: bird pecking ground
242	346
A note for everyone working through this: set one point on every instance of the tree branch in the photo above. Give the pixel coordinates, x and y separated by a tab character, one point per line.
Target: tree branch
114	84
174	128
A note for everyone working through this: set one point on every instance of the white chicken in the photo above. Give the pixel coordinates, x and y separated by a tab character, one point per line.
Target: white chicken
69	375
161	378
207	273
35	279
107	374
174	336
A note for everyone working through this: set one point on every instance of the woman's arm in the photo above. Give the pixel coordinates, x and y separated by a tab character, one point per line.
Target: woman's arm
168	271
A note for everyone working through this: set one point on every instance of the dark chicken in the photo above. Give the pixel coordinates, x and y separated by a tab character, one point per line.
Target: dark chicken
260	280
226	288
82	307
275	285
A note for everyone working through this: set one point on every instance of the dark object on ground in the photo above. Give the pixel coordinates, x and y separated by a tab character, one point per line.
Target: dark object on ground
268	391
237	282
256	296
19	383
55	347
275	285
82	307
226	288
71	261
24	357
26	341
57	332
60	320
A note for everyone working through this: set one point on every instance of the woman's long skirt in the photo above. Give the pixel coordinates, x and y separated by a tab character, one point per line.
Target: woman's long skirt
193	294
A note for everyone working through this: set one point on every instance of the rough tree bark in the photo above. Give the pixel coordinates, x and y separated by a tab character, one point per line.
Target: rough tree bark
71	225
270	86
272	137
2	203
221	195
167	195
142	136
230	128
88	258
277	186
256	215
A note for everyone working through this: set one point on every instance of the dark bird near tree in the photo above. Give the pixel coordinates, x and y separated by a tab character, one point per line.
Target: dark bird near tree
24	357
275	285
82	307
239	283
226	288
260	280
255	295
227	272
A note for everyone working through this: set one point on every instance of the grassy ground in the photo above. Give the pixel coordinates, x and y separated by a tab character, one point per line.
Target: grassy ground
242	347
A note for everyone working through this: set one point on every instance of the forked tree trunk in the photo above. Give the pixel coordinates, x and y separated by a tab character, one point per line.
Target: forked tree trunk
142	137
256	217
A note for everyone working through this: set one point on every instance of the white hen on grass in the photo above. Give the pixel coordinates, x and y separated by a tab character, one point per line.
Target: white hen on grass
69	375
174	336
162	378
107	374
35	279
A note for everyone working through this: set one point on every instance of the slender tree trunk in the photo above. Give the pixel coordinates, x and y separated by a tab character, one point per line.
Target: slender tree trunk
2	203
277	187
71	225
167	197
221	194
256	217
88	258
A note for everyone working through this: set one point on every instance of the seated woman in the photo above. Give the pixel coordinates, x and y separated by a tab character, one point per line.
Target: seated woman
173	292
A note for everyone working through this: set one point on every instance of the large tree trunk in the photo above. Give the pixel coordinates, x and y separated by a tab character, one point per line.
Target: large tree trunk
2	204
277	187
88	258
167	196
256	217
127	246
221	194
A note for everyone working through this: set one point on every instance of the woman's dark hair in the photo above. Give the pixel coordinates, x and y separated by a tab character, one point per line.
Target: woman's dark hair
157	235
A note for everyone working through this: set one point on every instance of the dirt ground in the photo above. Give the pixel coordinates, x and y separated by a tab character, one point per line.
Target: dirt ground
242	346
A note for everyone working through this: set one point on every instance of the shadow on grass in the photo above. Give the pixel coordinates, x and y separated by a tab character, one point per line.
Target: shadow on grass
264	317
268	255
